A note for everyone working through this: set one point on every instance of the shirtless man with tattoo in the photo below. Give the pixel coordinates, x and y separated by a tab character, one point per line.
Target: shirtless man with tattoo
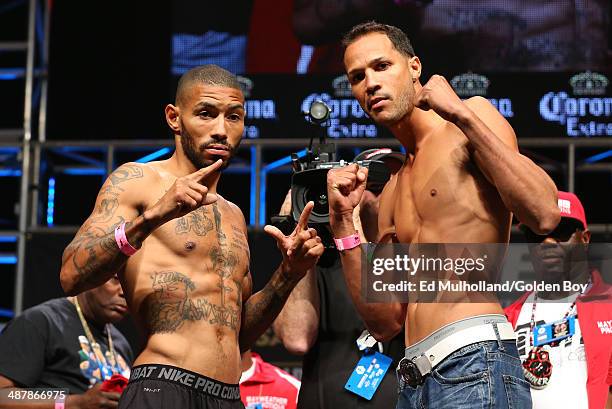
182	254
462	181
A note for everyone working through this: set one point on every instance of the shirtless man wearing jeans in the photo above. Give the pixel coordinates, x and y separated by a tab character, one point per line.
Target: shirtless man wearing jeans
462	181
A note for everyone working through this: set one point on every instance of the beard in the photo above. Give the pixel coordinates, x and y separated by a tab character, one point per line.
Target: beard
556	262
398	109
195	154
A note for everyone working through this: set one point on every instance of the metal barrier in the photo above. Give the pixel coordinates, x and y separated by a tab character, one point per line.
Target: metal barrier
256	168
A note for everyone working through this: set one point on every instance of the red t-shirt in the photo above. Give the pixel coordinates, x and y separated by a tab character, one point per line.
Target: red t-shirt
595	314
265	386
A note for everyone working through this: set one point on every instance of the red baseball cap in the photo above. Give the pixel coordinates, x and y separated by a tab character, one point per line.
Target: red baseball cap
571	207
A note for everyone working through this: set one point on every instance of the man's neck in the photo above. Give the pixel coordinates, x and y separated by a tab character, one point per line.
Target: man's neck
88	312
413	129
581	278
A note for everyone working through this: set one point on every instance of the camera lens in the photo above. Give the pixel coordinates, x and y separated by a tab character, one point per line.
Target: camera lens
310	185
318	194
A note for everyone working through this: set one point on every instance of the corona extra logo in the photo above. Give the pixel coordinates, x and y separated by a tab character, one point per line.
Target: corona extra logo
470	84
589	83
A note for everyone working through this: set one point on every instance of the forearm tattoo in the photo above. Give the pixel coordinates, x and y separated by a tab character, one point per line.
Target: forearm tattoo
262	308
93	252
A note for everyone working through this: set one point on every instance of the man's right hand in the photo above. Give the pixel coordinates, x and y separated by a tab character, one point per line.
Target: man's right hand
345	187
94	398
186	195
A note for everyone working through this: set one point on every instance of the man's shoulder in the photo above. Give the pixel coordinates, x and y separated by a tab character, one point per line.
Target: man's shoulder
49	309
49	313
135	172
234	208
487	113
482	106
144	178
478	101
280	375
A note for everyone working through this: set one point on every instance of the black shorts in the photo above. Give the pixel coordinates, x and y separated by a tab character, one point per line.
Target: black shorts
162	386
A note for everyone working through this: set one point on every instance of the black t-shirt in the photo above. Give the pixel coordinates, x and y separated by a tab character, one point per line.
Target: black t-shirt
330	362
46	346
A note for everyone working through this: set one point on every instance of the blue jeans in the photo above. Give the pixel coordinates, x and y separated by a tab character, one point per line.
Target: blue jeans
482	375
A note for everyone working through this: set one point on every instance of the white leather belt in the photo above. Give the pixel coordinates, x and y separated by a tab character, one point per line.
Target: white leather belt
429	352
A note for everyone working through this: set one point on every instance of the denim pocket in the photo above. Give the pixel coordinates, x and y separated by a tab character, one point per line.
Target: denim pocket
470	391
465	365
518	392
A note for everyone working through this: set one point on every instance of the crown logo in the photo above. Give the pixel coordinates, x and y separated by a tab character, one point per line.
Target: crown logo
246	85
342	87
470	84
589	83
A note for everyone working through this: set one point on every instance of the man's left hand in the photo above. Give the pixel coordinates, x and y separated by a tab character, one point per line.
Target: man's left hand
301	249
437	94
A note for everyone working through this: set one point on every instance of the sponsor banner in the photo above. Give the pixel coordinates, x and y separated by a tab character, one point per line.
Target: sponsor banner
575	104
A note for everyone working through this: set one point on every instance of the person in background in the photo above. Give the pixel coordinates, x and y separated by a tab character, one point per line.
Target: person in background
320	322
573	368
265	386
69	343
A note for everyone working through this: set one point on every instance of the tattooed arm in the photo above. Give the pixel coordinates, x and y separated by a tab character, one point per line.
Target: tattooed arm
93	257
260	309
300	251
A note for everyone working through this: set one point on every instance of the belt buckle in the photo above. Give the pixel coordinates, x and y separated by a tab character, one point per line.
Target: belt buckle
410	373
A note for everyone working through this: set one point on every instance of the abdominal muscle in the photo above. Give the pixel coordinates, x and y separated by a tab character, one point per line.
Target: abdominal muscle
198	348
191	318
424	318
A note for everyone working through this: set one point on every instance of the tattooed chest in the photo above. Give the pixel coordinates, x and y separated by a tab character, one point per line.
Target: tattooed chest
197	232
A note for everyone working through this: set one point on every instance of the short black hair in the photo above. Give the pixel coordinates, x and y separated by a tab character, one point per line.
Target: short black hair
209	74
398	38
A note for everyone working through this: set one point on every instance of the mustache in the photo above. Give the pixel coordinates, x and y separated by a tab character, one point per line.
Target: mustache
207	144
375	96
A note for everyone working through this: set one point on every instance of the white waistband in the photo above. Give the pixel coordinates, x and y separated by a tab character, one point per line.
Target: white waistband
446	346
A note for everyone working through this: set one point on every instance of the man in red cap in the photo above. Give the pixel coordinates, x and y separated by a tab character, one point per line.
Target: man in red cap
569	364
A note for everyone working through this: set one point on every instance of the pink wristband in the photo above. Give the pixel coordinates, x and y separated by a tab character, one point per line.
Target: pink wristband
122	241
348	242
